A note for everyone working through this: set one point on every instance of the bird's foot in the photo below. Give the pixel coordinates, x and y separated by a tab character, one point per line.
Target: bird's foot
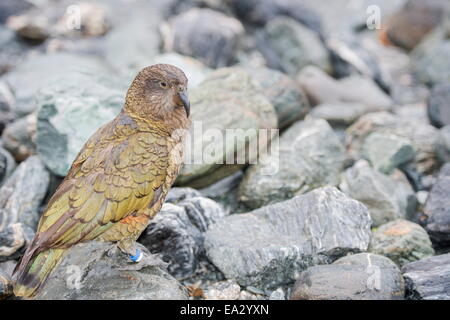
137	256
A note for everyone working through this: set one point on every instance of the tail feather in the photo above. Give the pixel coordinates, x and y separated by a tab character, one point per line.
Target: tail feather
33	270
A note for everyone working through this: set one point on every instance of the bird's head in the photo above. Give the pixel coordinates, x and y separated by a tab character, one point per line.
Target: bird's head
159	92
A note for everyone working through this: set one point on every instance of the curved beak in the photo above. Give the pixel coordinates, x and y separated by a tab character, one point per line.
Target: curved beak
187	105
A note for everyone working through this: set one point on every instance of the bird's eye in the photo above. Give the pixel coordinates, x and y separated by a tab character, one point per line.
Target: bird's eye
163	84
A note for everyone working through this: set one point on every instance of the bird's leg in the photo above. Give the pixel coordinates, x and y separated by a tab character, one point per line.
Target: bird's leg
128	246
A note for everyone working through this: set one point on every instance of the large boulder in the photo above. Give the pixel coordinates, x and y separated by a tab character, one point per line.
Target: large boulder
401	241
205	34
386	198
362	276
437	209
20	198
70	111
41	71
268	247
310	156
428	278
100	271
228	108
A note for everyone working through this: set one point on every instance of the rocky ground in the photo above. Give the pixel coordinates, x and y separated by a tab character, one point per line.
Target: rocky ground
360	205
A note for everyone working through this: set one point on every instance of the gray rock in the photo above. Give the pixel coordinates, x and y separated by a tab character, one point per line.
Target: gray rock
20	198
260	12
431	58
98	271
133	42
289	46
310	156
439	105
70	112
7	165
268	247
443	144
277	294
288	99
19	137
428	279
176	195
12	51
224	290
6	288
437	209
362	276
39	72
339	113
247	111
12	7
192	33
386	198
321	88
7	105
422	135
387	151
401	241
7	267
177	233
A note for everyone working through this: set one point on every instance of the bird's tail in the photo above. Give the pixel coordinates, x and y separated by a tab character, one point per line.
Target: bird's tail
33	269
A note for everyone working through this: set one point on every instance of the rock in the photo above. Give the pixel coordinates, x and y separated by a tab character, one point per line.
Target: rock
195	70
12	7
321	88
387	151
414	21
386	198
7	165
339	113
277	295
39	72
428	278
260	12
6	288
133	42
8	267
422	135
443	144
224	290
98	271
20	198
437	209
247	112
177	233
11	50
19	137
94	22
176	195
70	112
430	59
401	241
268	247
310	156
192	33
284	93
30	26
439	105
7	106
289	46
362	276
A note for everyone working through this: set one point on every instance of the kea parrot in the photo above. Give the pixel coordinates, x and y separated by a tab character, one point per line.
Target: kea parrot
119	179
